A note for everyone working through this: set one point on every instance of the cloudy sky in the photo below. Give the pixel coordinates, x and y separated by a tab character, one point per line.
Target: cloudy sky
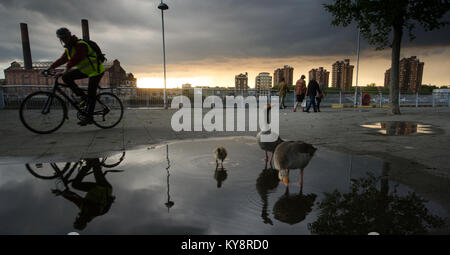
210	41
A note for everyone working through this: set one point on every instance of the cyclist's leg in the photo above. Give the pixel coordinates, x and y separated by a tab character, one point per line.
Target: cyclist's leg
92	93
78	181
69	79
100	178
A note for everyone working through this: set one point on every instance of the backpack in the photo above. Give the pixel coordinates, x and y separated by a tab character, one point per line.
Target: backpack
100	56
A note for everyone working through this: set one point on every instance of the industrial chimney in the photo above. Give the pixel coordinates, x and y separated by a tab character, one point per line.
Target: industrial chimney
85	29
26	46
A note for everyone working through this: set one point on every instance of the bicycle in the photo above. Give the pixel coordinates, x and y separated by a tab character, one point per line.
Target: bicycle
44	112
64	175
41	171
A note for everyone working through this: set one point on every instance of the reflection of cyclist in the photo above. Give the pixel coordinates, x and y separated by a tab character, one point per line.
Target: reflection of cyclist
79	54
98	199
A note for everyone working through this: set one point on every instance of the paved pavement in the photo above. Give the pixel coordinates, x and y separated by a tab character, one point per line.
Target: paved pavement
421	161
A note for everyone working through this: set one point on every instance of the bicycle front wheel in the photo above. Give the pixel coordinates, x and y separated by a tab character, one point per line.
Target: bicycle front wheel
108	111
42	112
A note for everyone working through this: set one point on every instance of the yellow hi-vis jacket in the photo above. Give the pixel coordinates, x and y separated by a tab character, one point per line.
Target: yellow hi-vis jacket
89	65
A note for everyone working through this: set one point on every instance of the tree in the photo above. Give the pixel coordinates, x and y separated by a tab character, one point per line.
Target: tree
377	19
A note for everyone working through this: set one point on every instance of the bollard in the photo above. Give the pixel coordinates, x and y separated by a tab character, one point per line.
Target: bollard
417	99
340	99
381	99
432	99
2	99
399	100
147	97
360	99
448	98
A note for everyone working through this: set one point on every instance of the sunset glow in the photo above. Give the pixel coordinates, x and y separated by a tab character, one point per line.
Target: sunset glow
149	82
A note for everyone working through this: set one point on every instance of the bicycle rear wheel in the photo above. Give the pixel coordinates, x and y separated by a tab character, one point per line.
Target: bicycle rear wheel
42	112
108	111
47	171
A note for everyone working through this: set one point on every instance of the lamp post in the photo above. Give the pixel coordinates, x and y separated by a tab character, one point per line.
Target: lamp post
162	6
357	67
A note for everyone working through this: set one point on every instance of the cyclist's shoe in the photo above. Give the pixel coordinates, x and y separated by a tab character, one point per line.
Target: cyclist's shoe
81	101
85	121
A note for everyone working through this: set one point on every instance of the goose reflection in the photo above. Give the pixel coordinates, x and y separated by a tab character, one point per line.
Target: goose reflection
267	181
293	208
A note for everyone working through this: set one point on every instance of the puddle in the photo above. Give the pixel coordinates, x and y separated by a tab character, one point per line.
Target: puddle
399	128
175	188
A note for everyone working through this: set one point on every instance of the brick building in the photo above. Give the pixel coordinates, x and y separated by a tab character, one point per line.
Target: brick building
241	83
342	77
320	75
286	72
263	83
410	75
114	76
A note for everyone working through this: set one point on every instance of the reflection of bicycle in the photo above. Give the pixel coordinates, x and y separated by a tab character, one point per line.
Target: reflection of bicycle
58	170
43	112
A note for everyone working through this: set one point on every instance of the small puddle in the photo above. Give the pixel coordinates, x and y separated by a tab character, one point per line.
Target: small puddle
176	188
399	128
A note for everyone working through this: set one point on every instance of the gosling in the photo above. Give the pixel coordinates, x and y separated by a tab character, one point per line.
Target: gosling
221	154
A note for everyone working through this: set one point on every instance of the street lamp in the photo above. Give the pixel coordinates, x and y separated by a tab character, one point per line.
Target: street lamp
357	67
162	6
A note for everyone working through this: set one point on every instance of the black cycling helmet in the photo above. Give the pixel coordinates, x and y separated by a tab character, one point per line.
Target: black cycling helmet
63	33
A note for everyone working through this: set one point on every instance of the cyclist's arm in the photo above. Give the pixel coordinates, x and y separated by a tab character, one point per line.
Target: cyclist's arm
60	61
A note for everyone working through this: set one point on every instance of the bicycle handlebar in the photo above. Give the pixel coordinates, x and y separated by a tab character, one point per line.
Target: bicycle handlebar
47	73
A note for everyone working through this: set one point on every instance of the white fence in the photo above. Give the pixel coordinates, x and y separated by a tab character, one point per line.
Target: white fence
11	96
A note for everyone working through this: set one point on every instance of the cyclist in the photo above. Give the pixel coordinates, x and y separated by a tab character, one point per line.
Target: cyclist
79	54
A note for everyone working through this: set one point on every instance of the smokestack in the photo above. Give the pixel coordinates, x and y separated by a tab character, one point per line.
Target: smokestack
26	46
85	29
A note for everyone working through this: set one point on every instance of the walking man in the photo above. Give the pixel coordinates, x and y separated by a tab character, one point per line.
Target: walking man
300	91
312	91
282	89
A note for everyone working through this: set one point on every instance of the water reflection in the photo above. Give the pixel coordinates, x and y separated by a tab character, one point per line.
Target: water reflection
266	183
98	196
220	175
293	208
367	208
169	203
255	202
394	128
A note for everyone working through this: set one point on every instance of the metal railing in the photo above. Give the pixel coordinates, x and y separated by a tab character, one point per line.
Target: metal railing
11	96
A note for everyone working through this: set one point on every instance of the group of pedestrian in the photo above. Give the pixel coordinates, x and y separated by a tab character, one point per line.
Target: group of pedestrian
314	92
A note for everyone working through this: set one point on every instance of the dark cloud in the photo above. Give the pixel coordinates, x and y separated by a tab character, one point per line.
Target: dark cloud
195	29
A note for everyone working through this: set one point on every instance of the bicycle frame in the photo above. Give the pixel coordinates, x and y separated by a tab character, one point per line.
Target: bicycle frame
57	88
